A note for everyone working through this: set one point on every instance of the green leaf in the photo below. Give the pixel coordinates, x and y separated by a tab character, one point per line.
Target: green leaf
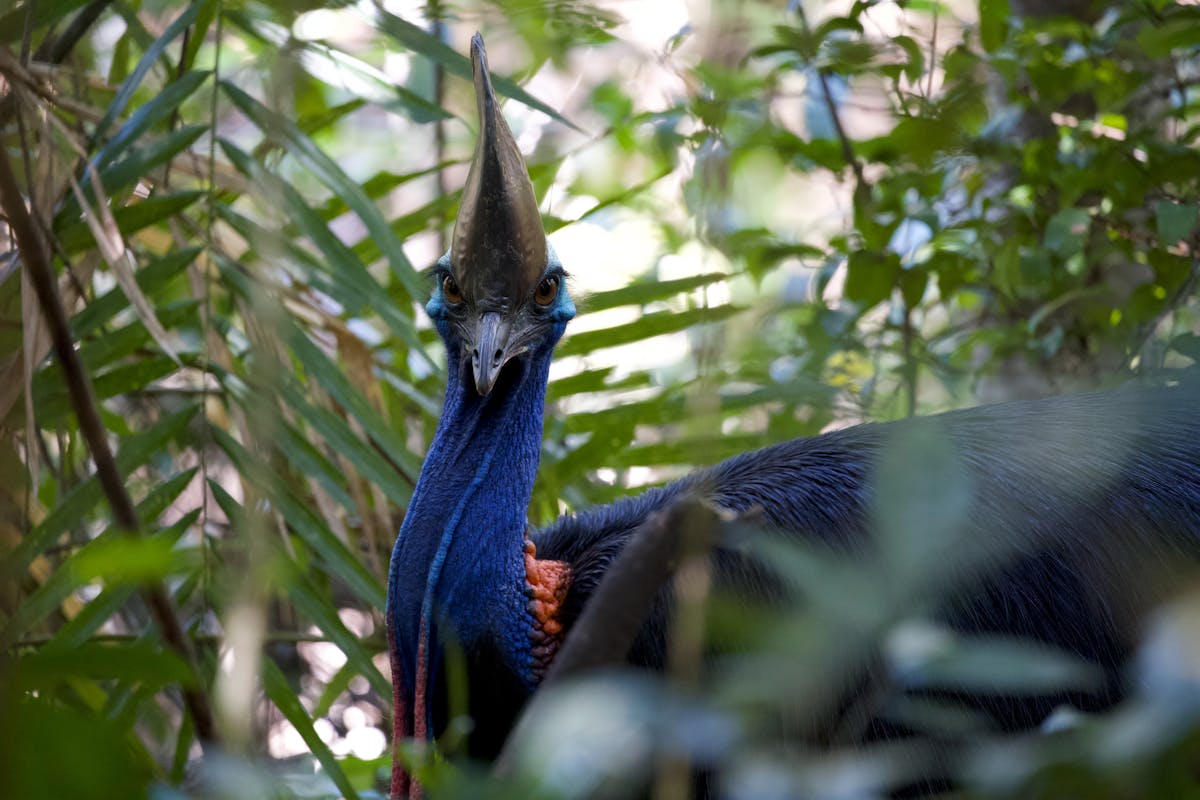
152	278
1180	32
142	663
165	103
299	145
996	666
348	270
993	23
871	276
341	439
310	462
75	236
1067	232
1175	221
421	41
196	37
312	603
307	525
133	168
293	710
648	326
53	401
100	609
73	509
332	380
114	556
648	290
44	12
125	93
914	66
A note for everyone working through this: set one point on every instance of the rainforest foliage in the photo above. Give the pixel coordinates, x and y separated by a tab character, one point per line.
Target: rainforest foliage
782	218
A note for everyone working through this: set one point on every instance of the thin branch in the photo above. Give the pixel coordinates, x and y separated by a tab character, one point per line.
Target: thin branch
848	155
36	261
621	602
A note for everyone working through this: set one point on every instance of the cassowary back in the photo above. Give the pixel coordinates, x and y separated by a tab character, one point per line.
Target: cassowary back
1064	497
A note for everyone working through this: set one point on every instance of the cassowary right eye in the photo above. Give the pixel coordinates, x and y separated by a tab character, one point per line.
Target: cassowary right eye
547	290
451	291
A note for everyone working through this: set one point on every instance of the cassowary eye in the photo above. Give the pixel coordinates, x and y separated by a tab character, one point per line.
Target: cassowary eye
547	290
450	290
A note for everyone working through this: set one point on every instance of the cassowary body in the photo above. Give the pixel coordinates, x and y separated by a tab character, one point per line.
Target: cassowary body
1071	485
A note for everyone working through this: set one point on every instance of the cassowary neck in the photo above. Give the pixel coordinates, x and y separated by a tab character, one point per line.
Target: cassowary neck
457	571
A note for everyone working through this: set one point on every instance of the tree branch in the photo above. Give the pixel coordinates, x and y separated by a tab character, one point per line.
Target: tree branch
36	262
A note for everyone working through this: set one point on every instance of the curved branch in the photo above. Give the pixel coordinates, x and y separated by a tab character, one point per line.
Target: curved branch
36	261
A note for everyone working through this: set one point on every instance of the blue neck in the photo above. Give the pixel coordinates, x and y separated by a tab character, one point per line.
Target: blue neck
458	561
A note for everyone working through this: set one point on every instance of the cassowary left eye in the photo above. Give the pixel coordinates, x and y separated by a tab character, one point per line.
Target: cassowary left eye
547	290
451	291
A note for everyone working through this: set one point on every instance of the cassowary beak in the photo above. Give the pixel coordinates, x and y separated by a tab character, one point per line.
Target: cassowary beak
491	350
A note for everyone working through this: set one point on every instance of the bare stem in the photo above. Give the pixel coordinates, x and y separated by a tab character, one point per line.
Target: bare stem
36	261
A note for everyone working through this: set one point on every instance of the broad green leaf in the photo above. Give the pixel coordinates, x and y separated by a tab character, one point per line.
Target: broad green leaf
54	402
1067	231
45	12
994	16
1175	221
871	276
143	663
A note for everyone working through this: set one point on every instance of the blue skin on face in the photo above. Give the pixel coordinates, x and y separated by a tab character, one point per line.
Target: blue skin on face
560	313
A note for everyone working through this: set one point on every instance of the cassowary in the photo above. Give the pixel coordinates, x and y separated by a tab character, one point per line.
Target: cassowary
1078	482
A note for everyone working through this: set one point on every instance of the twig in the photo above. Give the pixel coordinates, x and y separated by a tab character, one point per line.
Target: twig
439	125
57	50
910	364
620	603
36	261
860	183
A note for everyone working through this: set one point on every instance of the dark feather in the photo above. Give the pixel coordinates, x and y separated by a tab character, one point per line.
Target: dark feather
1067	493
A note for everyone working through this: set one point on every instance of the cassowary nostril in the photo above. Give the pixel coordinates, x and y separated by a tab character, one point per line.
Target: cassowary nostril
498	357
475	355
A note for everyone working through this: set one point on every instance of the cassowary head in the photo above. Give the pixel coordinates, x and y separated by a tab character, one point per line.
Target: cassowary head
500	293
